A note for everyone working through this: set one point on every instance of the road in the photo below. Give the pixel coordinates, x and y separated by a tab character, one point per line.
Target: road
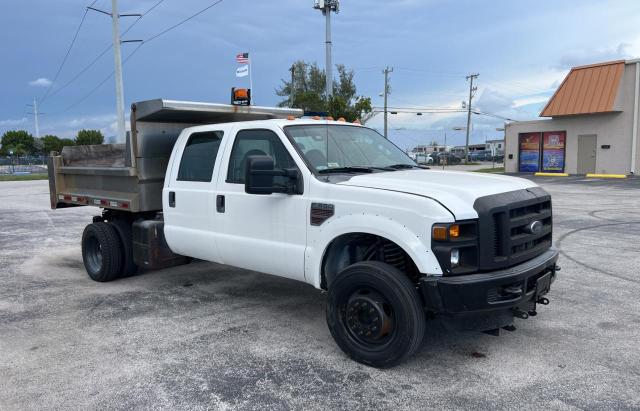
210	336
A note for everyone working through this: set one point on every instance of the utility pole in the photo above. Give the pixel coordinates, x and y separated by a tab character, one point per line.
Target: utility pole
386	72
115	19
117	59
35	117
327	6
472	91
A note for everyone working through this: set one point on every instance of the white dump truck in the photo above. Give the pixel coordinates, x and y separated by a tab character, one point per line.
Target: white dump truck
329	203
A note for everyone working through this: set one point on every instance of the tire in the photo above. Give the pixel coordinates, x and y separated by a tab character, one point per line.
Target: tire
123	228
101	252
375	314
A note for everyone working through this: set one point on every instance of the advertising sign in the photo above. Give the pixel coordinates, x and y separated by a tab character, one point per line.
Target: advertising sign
553	144
529	152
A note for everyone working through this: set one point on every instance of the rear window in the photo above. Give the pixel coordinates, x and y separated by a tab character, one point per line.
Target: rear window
199	156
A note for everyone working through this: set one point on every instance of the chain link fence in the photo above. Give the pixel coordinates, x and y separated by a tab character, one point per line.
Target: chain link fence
23	165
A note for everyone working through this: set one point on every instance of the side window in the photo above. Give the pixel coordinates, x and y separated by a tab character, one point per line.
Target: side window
256	143
199	156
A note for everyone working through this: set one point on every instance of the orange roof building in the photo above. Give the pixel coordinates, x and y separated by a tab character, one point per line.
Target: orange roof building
591	126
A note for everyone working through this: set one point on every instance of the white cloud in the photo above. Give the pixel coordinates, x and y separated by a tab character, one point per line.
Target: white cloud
10	122
525	101
582	57
40	82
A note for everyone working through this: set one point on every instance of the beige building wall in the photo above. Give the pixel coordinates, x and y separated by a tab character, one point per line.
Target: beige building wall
613	129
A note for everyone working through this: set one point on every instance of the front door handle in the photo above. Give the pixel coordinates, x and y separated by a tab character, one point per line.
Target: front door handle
220	203
172	199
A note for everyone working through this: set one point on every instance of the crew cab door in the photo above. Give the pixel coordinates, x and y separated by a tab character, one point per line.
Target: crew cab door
189	195
265	233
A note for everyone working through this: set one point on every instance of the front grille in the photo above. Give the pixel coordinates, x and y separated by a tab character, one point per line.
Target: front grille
505	222
522	241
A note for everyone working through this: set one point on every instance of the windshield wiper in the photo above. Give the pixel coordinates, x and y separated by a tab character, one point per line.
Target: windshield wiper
403	166
353	169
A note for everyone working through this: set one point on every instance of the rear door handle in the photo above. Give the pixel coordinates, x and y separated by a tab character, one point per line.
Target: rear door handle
220	203
172	199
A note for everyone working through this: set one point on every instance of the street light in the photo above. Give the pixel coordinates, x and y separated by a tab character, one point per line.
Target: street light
327	6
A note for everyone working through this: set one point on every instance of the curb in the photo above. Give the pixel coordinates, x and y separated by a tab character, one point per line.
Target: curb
551	174
606	175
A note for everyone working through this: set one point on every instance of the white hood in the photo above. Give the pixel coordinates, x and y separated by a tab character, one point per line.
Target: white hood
456	190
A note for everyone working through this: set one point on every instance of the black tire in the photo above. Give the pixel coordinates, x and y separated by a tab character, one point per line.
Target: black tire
375	314
123	228
101	252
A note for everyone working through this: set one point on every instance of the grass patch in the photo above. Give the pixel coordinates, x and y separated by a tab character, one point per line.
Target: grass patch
23	177
490	170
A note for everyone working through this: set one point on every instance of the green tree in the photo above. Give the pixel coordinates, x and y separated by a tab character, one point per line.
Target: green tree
67	142
18	141
51	143
308	92
89	137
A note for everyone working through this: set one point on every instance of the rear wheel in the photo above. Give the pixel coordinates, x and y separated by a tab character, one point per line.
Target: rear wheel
375	314
126	241
101	252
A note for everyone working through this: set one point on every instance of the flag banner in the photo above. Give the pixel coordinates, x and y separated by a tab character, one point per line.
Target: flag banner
242	71
242	58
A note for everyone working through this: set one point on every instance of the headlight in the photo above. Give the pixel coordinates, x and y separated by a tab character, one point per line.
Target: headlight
455	245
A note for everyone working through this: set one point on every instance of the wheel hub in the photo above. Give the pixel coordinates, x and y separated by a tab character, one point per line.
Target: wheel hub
367	316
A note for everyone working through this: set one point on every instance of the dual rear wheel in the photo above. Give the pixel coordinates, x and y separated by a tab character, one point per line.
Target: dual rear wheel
107	250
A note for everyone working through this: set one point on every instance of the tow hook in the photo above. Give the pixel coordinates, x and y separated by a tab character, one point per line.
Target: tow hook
520	314
543	301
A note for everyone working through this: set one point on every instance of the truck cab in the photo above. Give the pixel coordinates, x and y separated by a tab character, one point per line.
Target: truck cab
338	206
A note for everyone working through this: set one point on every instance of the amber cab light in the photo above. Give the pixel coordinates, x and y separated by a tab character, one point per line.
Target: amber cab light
439	233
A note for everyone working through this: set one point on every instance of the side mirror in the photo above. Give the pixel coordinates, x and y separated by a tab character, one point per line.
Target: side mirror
260	173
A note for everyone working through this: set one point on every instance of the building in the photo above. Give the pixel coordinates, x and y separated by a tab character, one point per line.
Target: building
495	147
592	125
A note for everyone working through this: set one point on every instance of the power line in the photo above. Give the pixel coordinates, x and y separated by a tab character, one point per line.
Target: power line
482	113
66	56
93	90
102	53
155	36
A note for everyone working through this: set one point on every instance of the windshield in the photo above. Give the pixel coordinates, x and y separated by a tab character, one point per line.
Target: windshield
327	147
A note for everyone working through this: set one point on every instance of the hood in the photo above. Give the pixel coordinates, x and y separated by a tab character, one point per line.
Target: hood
456	190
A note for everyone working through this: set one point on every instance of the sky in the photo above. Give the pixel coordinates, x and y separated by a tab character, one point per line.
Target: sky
521	49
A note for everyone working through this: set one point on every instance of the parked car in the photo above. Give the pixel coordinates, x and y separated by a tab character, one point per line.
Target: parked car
329	203
445	158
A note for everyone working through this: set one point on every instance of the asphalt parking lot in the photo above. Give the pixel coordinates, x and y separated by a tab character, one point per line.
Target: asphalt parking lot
210	336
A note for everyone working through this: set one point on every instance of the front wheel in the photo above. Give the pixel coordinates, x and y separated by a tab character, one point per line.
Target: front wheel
375	314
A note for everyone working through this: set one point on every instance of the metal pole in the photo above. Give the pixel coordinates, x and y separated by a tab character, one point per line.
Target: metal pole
634	134
293	88
329	67
251	80
35	115
386	72
115	18
445	149
471	90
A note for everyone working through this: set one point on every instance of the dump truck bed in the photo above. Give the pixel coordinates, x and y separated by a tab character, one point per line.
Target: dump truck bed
130	176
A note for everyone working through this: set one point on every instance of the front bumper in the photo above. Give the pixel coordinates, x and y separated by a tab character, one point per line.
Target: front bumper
517	287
